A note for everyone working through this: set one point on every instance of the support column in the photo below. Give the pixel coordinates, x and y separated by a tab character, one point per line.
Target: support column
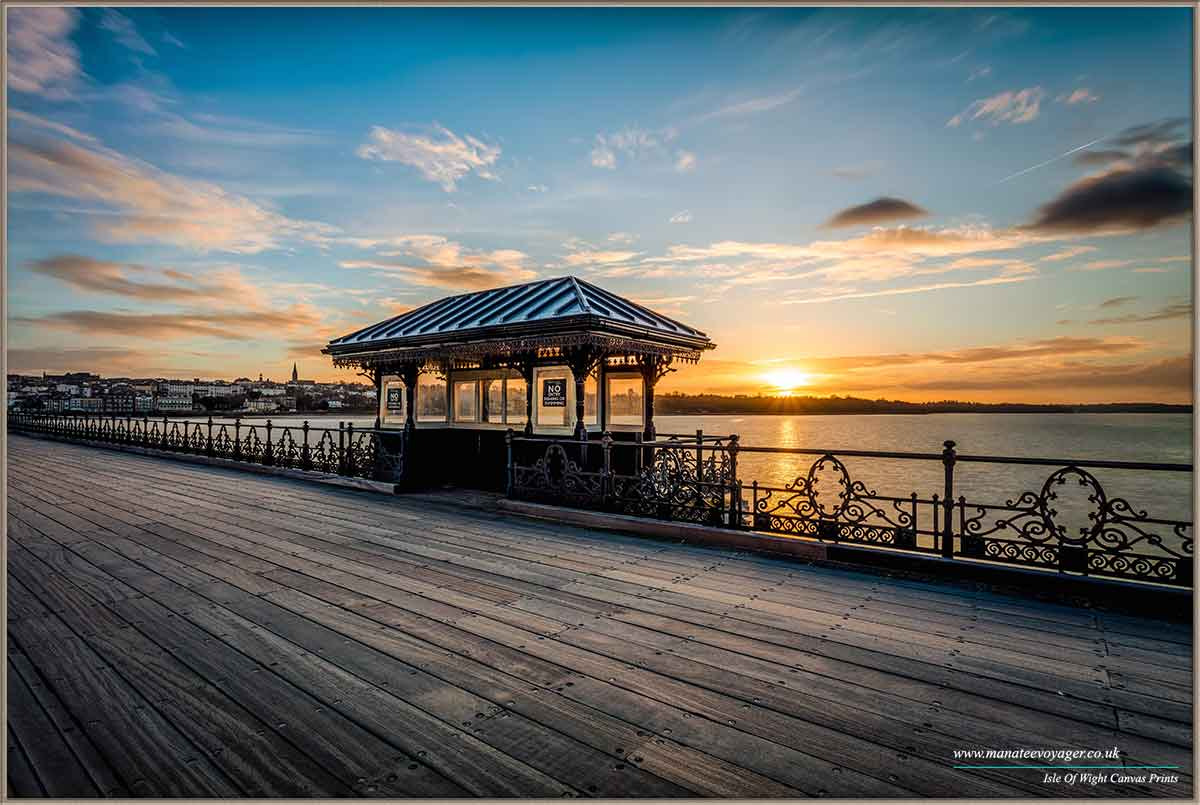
379	401
408	373
581	361
525	366
654	367
602	395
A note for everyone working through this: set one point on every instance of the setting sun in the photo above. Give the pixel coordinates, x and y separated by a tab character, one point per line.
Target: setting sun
786	381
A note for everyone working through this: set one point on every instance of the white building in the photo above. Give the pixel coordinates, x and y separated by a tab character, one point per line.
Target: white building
174	403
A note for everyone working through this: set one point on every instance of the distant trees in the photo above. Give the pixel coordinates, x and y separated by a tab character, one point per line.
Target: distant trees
677	403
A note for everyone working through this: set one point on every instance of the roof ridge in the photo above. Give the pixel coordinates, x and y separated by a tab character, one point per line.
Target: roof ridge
579	295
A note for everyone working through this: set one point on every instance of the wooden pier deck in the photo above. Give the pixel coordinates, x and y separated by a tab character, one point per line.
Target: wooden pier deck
186	630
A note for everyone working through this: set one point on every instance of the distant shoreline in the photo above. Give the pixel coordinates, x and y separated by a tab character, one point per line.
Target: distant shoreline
718	405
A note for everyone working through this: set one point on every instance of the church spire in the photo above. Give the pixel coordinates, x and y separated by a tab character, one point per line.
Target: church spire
295	373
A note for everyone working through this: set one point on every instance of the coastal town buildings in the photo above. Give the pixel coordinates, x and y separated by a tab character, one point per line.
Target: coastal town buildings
85	392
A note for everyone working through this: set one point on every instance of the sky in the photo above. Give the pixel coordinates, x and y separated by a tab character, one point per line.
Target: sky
989	204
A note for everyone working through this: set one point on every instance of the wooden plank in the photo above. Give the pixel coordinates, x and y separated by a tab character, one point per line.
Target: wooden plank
103	777
46	749
142	745
22	780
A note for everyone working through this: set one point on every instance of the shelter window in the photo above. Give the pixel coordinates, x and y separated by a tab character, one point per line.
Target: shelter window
431	398
466	401
552	387
591	411
493	396
392	402
514	401
626	395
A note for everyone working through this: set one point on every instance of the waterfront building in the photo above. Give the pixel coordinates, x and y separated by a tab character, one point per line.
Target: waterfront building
167	402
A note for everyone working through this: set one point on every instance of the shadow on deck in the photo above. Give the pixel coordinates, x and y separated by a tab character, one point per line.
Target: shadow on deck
180	630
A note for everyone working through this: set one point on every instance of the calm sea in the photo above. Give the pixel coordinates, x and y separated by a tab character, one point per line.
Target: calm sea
1121	437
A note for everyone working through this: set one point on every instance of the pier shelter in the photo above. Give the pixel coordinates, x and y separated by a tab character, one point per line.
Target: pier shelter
557	357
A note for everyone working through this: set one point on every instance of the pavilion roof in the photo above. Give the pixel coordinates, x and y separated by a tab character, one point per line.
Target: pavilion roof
547	313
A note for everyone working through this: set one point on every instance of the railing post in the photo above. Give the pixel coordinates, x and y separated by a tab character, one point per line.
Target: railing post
607	477
237	438
208	442
145	430
753	504
128	429
164	434
341	448
948	460
508	473
735	488
305	455
268	449
350	466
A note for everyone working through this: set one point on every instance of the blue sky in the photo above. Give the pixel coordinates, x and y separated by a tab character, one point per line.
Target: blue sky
843	193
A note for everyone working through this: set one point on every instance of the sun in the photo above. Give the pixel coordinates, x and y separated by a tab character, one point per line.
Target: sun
785	381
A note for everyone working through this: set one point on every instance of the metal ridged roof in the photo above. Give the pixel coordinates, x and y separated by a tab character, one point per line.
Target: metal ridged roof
541	301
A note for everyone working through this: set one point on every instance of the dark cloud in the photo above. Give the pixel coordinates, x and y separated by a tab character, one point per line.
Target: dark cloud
1123	199
1149	134
880	211
239	325
1057	348
1103	157
1181	310
102	276
1118	301
1171	374
1178	156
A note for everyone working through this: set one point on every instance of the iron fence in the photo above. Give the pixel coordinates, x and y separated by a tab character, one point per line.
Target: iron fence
345	450
1070	523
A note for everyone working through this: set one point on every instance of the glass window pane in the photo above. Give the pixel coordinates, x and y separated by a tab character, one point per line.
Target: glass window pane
551	400
591	411
625	406
466	401
494	394
391	405
431	398
515	400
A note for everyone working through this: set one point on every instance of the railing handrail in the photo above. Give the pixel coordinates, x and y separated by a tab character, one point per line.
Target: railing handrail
200	419
1036	461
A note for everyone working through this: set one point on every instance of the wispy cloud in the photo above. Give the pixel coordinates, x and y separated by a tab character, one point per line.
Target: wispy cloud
1179	310
18	116
125	32
685	162
150	205
237	325
1010	106
446	263
598	257
681	217
1067	253
634	143
42	59
1081	95
751	106
140	282
441	156
979	72
939	286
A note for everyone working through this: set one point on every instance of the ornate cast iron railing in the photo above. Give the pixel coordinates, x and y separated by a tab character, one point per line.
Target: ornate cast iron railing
345	450
1070	524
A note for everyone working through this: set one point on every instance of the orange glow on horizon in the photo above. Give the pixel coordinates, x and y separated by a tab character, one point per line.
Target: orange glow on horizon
785	381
